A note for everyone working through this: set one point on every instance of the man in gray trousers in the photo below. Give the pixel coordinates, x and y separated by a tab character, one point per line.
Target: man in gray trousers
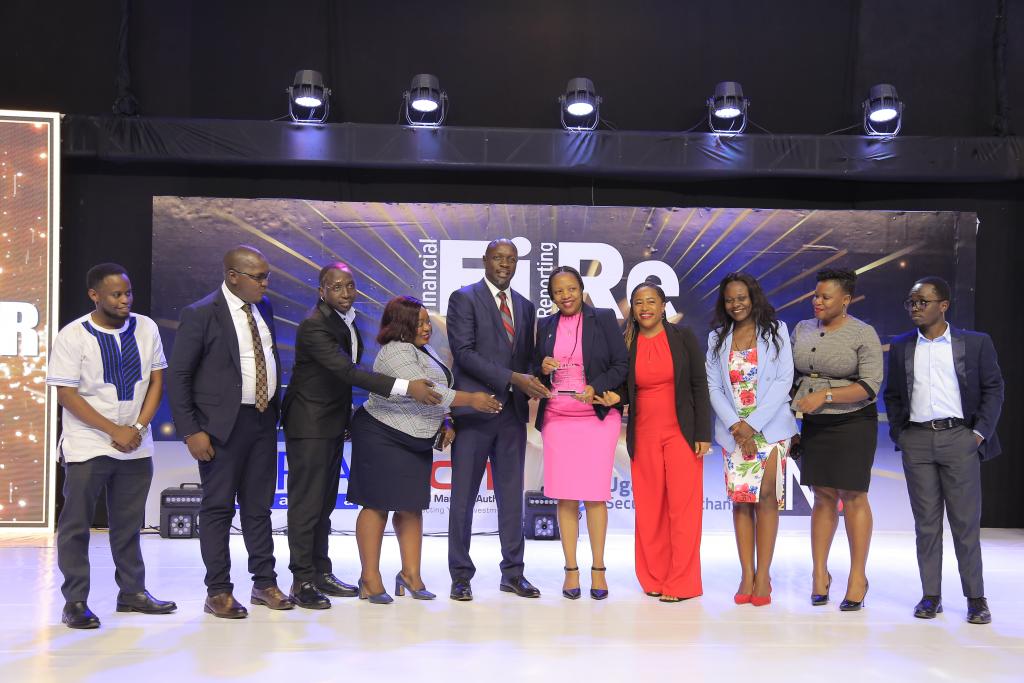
943	397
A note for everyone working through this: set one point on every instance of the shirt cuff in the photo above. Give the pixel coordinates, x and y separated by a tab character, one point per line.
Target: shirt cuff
979	434
401	387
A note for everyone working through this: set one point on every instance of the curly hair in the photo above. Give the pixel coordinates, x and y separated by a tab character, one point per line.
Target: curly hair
761	310
844	278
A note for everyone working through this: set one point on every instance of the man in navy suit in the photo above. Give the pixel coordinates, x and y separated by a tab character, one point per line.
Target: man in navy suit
943	397
490	332
224	390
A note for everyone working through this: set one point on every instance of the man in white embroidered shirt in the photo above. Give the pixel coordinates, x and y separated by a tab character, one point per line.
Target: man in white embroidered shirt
108	368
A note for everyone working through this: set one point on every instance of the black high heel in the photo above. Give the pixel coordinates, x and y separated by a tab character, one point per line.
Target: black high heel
598	593
819	599
571	593
854	605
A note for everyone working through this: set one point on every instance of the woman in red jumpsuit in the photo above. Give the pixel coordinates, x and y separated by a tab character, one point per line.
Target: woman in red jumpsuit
669	433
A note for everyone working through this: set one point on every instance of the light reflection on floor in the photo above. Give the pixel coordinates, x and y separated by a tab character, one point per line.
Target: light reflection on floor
500	637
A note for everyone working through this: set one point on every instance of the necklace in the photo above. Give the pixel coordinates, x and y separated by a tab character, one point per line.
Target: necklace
748	340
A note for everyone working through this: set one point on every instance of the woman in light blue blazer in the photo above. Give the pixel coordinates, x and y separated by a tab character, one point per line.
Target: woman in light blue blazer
750	373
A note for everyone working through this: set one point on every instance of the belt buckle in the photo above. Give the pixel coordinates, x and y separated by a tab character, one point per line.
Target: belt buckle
943	424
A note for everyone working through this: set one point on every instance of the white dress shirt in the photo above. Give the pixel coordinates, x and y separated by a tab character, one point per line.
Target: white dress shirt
401	386
245	349
497	300
936	393
77	360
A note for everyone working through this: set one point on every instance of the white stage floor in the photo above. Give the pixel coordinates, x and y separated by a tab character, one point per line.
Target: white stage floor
500	637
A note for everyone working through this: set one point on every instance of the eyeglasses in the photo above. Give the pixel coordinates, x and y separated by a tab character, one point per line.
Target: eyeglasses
338	289
262	277
914	304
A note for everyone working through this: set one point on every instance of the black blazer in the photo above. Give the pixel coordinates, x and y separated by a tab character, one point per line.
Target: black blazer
318	402
604	354
977	373
693	401
204	382
484	359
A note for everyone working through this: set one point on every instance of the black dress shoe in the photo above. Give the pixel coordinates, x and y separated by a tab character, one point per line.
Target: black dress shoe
977	611
461	590
520	586
143	602
308	596
929	606
331	585
78	615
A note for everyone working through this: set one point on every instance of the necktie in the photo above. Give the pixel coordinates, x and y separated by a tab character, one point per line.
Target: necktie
261	360
506	317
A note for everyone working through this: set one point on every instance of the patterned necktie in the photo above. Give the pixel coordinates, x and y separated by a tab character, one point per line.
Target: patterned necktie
506	317
261	360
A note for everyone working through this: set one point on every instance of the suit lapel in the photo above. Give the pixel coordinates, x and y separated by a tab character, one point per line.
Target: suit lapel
723	359
490	304
675	345
223	314
908	364
959	359
587	341
337	327
359	344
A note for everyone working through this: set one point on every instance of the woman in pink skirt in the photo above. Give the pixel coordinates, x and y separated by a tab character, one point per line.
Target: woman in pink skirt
580	354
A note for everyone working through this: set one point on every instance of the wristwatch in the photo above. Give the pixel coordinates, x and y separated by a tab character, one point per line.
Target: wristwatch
141	428
828	395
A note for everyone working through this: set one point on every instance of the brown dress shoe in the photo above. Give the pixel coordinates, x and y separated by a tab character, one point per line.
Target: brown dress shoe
225	606
271	597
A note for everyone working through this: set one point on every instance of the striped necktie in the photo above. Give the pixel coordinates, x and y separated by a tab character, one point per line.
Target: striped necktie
506	317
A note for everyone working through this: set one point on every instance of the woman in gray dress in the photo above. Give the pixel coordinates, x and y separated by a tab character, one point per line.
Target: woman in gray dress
393	441
838	361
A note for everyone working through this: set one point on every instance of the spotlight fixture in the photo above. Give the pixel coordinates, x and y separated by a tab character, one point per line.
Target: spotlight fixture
883	111
309	100
580	107
727	109
179	511
426	105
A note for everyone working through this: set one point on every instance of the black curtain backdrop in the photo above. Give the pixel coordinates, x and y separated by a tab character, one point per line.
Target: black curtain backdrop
805	64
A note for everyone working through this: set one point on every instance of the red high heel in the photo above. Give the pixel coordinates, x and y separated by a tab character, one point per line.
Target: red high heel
742	598
761	601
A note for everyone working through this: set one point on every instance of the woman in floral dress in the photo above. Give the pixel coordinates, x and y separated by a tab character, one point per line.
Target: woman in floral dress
750	373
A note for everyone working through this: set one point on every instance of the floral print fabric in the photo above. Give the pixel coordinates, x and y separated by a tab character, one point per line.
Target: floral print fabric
742	473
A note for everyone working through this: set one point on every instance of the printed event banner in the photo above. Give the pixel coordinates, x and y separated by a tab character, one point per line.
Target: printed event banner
430	250
29	209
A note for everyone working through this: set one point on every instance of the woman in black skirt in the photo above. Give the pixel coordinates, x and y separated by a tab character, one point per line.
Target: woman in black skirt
838	362
393	448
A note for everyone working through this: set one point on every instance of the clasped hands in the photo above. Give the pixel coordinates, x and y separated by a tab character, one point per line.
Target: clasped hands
125	438
744	435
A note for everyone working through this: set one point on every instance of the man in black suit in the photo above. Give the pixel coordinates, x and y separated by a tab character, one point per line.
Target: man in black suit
223	387
490	333
316	412
943	398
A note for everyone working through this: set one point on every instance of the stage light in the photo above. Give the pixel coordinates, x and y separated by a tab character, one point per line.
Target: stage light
425	103
883	111
727	109
540	518
580	106
309	100
179	511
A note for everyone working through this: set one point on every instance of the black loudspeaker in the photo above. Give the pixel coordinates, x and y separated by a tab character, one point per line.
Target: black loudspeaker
540	516
179	511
